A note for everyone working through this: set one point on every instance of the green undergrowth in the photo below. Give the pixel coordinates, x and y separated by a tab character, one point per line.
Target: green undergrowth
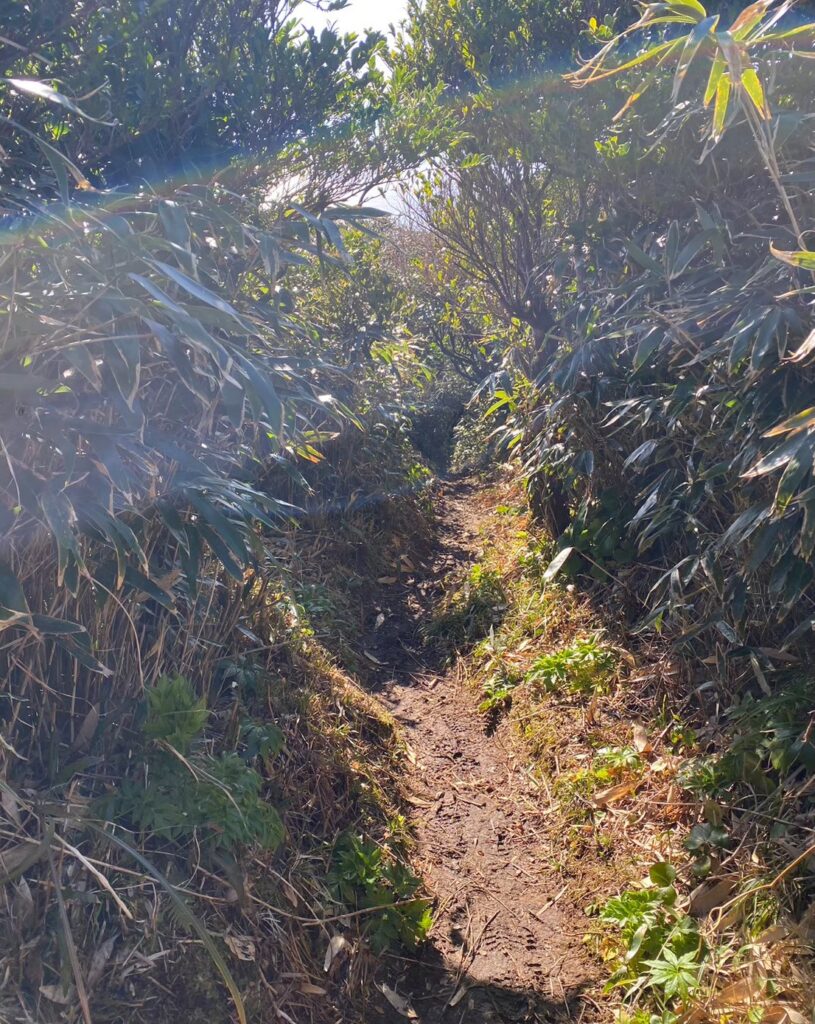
471	610
181	791
686	835
367	875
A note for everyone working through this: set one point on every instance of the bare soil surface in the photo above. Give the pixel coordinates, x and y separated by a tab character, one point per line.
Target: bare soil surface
507	943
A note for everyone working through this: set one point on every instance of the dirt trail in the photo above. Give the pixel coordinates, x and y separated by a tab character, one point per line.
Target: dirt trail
506	944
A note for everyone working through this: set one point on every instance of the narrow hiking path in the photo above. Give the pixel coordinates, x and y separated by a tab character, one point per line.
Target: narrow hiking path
506	944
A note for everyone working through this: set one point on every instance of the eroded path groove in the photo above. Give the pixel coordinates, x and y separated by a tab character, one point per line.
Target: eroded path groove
506	944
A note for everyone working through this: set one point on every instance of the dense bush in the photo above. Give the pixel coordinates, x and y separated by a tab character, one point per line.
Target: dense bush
680	401
661	382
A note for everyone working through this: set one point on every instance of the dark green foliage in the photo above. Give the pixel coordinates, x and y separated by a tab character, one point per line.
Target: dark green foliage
190	84
663	950
500	42
174	713
184	792
768	739
670	429
364	875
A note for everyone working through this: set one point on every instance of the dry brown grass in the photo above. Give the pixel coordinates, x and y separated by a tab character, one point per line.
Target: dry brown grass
87	932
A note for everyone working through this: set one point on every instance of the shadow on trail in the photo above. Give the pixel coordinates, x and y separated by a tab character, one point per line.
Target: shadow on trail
398	634
440	992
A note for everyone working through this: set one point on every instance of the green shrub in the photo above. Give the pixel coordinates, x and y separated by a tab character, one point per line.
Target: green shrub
364	875
182	792
586	666
662	950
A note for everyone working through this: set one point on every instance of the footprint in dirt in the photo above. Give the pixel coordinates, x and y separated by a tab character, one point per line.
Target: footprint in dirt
505	945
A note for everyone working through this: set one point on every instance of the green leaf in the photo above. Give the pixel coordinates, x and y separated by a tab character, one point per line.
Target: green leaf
793	476
749	18
13	604
802	258
662	874
777	458
60	516
794	424
755	90
691	250
720	107
691	48
173	218
34	87
198	291
717	69
56	627
124	360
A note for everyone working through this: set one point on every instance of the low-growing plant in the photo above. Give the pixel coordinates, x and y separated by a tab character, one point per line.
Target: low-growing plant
609	765
364	876
498	689
584	667
617	760
770	738
598	532
478	605
661	950
180	792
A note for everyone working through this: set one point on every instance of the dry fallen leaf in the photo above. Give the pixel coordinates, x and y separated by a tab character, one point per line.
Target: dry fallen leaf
458	995
387	580
87	730
740	993
56	994
709	895
20	857
23	904
641	742
336	944
399	1003
783	1013
99	961
312	990
373	658
417	801
10	805
241	945
613	794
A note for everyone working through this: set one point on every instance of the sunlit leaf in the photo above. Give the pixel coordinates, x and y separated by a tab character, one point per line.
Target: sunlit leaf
720	107
754	89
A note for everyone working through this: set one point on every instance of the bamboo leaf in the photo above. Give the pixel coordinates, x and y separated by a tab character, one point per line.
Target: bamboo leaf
800	421
557	564
749	18
720	107
198	291
803	258
755	90
691	48
13	604
717	69
43	91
